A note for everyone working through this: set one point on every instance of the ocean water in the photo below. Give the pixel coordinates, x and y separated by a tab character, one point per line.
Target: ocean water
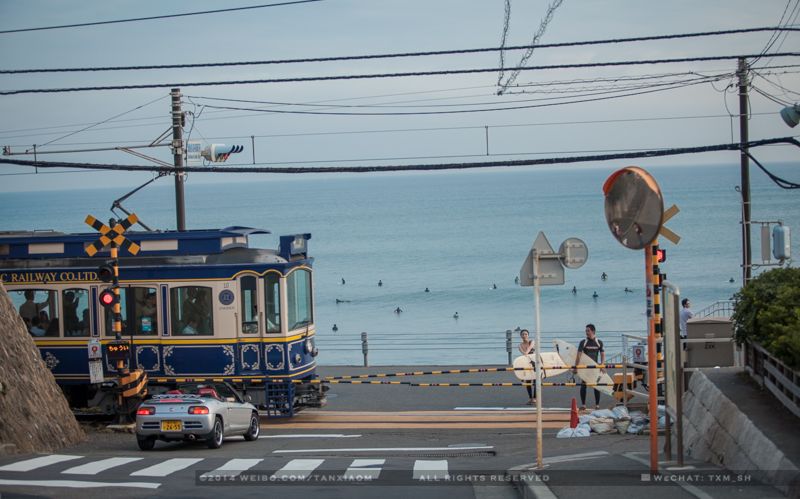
458	234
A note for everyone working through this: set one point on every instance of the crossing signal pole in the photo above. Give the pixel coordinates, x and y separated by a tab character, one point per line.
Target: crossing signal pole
131	383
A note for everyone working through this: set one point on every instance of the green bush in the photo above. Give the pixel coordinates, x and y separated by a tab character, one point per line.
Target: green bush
767	311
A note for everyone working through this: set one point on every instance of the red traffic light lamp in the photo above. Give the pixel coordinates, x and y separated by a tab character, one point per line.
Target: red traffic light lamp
106	298
661	255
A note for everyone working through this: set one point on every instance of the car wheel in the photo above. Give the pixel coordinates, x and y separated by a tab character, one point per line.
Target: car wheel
254	429
214	440
146	443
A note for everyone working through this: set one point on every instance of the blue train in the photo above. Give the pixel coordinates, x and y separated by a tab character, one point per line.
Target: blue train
197	305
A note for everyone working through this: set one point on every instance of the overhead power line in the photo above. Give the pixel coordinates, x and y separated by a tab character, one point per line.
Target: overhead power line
398	54
418	167
166	16
391	75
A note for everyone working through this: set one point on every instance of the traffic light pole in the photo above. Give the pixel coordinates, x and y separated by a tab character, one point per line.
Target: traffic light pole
177	151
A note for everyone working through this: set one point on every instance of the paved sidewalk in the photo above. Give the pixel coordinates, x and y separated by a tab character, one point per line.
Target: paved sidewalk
626	475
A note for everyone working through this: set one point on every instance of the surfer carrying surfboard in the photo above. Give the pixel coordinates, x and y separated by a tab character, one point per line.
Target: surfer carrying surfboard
593	348
528	347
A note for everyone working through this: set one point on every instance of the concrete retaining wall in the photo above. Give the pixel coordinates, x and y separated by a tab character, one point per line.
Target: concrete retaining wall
716	431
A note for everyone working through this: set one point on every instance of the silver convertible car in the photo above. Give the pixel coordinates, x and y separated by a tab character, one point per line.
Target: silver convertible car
208	412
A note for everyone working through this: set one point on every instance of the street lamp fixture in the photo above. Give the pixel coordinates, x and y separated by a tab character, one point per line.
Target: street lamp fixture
791	115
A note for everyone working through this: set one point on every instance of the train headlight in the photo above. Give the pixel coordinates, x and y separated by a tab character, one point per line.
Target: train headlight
309	345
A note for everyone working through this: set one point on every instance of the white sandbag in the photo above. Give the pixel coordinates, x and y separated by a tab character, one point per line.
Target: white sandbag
585	418
634	429
621	412
585	427
603	413
638	418
602	425
568	432
622	425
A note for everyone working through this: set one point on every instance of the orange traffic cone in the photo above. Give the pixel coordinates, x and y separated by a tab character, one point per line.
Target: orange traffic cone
573	414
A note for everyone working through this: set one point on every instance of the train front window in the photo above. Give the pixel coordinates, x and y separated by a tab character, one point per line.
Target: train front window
272	296
249	289
38	309
191	311
138	311
298	291
76	311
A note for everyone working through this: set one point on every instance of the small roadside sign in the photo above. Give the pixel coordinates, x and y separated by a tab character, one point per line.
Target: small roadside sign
95	349
96	371
551	272
193	150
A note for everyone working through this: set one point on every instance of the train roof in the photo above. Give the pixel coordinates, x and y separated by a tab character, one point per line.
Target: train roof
32	245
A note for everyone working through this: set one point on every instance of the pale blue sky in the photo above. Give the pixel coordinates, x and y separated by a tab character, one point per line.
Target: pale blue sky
349	27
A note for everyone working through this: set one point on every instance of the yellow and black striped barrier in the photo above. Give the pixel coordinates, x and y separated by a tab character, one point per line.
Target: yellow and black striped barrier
133	384
409	383
469	371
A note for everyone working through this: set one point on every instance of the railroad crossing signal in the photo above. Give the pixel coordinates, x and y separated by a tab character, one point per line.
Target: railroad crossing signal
664	231
112	234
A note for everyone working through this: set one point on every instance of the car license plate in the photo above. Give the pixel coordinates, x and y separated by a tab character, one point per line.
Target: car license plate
171	425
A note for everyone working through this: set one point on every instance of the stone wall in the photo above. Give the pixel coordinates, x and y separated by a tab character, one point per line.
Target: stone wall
34	415
716	431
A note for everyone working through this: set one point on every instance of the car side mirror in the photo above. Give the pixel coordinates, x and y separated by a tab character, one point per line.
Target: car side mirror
248	398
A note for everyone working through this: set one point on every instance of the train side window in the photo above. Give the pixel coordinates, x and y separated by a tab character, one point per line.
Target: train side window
192	312
272	297
298	291
248	285
38	309
76	311
139	303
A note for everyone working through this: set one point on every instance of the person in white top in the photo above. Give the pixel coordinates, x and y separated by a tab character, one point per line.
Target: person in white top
527	347
686	314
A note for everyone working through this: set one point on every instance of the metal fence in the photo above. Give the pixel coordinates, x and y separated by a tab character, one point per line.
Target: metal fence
722	308
496	341
777	377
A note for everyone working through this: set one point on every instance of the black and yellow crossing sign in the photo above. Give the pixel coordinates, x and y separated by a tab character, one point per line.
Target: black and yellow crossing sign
112	234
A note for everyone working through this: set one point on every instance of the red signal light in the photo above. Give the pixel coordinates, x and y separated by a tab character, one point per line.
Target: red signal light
106	298
661	255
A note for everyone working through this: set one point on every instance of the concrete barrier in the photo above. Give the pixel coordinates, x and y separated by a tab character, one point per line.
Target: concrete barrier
716	431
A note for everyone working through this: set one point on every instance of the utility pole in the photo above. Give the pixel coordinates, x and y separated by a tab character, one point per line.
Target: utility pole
177	151
745	168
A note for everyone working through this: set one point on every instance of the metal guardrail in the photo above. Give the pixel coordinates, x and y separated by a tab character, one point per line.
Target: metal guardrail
721	308
487	341
777	377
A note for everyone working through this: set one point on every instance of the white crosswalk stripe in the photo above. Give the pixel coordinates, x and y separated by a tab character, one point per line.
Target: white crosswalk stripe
294	470
38	462
234	467
364	469
297	469
430	470
168	467
96	467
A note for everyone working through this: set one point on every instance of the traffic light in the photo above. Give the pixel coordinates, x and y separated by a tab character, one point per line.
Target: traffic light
661	255
106	298
105	272
219	153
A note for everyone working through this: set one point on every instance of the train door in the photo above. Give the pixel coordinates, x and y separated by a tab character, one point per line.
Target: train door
250	323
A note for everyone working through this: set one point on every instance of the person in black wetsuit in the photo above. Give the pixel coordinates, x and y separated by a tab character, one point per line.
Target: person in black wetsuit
593	348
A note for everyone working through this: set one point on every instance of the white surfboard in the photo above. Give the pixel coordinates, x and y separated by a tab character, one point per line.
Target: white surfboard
569	356
528	363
